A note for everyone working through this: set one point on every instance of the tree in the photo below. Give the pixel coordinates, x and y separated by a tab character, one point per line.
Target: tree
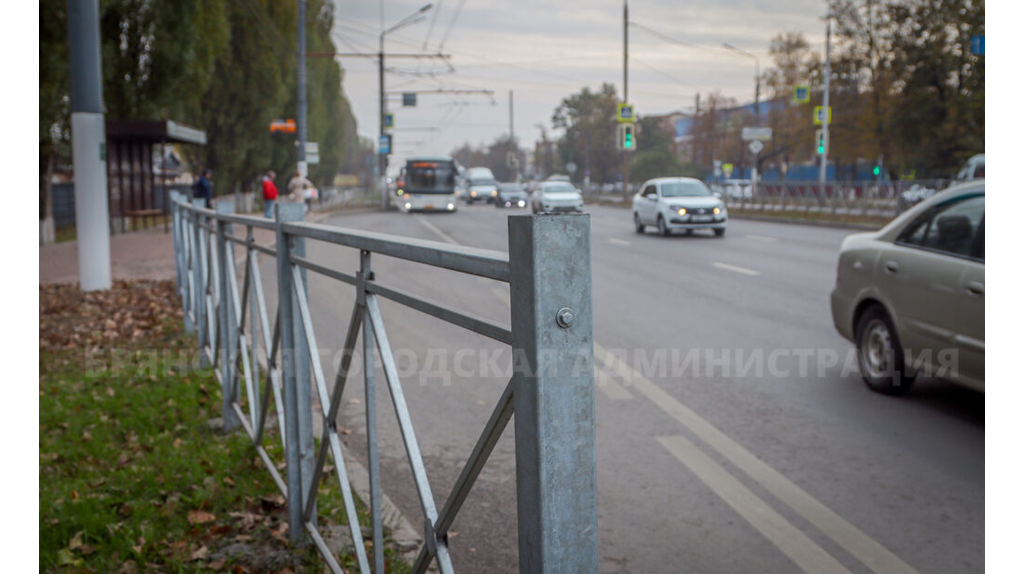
655	155
588	119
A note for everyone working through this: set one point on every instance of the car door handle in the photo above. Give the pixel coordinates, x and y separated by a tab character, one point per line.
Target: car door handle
891	267
975	289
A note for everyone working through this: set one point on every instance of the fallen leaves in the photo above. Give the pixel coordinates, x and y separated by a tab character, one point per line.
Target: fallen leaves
200	517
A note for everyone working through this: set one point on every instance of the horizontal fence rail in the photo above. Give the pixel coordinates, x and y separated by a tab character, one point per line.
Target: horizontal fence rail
269	369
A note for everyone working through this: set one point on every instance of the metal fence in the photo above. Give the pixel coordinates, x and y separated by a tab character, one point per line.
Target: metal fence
884	199
264	365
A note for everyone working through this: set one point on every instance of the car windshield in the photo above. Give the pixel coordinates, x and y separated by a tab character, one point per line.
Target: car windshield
684	189
558	187
482	181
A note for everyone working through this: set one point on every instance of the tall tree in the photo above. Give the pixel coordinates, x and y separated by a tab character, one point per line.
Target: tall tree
588	119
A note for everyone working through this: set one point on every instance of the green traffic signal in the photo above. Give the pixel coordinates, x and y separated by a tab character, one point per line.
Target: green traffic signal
877	170
629	140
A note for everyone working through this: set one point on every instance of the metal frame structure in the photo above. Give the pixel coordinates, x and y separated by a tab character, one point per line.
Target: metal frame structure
551	389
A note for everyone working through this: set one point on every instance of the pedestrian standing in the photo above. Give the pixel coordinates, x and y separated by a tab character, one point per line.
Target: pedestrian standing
269	194
297	187
203	188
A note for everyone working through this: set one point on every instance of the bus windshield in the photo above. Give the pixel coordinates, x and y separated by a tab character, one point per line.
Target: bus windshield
430	177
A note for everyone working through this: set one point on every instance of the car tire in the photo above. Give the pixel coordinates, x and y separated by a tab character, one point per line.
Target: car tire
636	222
719	232
662	228
879	353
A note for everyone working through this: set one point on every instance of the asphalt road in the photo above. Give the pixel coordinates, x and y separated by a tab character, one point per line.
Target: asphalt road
732	436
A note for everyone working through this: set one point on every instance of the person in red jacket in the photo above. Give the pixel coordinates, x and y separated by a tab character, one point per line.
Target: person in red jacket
269	194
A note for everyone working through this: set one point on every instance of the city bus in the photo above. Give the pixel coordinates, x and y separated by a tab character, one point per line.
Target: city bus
429	184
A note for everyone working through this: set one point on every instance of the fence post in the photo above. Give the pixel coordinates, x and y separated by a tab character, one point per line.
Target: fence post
228	323
299	454
198	270
553	361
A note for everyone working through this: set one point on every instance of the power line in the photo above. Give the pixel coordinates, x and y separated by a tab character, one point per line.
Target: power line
430	30
675	41
451	24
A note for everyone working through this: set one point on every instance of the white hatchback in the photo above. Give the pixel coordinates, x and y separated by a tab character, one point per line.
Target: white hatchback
678	203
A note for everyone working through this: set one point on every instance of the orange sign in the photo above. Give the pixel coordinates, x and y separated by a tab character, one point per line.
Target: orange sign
282	126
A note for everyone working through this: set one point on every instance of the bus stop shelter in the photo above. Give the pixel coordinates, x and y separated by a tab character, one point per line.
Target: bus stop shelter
136	195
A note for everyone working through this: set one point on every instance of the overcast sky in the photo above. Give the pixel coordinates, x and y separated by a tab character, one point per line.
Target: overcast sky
546	50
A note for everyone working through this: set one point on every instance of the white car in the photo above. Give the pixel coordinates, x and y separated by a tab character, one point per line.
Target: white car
556	196
678	203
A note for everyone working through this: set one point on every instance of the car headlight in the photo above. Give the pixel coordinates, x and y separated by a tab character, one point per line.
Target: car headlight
408	206
494	193
716	211
681	211
451	207
522	203
472	194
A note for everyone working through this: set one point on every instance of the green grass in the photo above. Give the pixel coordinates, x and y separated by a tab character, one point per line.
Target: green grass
131	477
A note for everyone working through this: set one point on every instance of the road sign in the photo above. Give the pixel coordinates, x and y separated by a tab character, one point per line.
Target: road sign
312	158
762	134
282	126
626	114
718	166
570	167
409	99
727	169
389	121
978	45
385	144
801	94
755	147
820	115
312	147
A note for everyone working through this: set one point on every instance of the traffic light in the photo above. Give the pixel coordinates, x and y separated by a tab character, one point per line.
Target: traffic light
876	170
819	137
627	137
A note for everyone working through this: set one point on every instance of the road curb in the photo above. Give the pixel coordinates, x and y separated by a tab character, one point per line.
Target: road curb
831	224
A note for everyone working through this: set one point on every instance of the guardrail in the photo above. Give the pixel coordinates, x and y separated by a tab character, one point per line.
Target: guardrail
551	390
884	199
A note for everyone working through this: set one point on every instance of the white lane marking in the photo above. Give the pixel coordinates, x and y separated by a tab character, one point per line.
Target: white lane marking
735	269
610	386
762	238
860	545
796	545
617	241
444	236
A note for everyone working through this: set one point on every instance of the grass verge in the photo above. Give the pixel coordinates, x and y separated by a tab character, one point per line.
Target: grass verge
131	476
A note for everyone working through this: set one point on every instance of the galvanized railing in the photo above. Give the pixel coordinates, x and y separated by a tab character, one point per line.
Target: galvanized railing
551	389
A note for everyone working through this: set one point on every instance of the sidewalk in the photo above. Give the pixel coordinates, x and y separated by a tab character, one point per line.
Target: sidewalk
146	254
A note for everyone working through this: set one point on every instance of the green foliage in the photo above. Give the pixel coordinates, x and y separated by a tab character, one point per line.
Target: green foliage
588	119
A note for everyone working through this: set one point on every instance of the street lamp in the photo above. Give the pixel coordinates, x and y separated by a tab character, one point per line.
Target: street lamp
410	19
757	79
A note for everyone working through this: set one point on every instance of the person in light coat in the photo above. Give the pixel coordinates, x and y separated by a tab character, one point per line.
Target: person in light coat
297	186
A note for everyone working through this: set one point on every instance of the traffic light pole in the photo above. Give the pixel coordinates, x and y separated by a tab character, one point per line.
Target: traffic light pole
625	92
823	168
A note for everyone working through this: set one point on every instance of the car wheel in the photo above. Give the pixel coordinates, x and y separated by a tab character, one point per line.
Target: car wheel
719	232
662	228
879	354
636	222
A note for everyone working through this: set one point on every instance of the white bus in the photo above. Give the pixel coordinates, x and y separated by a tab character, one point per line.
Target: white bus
428	184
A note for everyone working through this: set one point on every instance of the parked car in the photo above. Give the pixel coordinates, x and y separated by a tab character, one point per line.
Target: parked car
737	188
554	196
678	203
511	195
911	296
973	169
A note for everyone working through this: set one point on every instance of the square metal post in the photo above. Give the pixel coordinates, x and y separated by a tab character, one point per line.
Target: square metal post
198	272
370	397
295	373
553	361
228	323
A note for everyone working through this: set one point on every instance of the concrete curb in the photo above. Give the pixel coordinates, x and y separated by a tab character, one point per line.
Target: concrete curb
831	224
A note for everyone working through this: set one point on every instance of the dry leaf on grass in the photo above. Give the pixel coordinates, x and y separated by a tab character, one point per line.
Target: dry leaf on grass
200	517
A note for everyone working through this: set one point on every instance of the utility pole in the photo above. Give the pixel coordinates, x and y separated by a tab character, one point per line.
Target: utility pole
822	169
625	92
301	127
89	146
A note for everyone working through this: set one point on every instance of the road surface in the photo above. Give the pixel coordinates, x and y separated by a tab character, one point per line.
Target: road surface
733	433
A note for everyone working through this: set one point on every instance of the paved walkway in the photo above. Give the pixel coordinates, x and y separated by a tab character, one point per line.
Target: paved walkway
144	254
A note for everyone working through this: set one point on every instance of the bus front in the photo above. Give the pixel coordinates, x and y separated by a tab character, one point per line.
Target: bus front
429	185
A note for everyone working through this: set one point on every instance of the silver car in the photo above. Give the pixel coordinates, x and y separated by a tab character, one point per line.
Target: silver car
678	203
911	296
556	196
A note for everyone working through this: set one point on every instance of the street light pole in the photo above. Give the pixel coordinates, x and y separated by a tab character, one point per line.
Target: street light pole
301	127
823	168
625	92
410	19
757	80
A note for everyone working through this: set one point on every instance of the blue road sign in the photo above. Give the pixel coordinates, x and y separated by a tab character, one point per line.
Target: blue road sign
385	144
978	45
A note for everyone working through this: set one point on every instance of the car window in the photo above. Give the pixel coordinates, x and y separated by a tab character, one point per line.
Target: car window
952	228
650	191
